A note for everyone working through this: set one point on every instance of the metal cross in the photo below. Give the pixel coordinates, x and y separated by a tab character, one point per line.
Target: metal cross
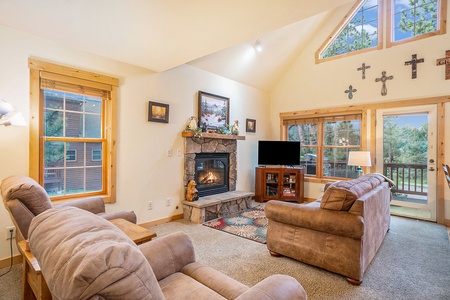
383	79
413	62
445	61
350	92
363	68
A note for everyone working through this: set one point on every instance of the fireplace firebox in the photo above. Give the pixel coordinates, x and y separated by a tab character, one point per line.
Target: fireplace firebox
211	173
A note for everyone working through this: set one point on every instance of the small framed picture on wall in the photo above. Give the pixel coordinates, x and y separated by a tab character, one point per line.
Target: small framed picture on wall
158	112
250	125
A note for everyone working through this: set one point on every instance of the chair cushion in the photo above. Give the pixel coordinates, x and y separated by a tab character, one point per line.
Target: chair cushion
83	255
342	194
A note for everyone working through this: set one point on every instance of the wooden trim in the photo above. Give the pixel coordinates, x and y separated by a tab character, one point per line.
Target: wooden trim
76	81
36	153
6	262
162	221
344	22
353	109
441	182
373	139
34	142
34	63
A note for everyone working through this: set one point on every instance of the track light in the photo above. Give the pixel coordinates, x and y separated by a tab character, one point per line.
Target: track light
258	46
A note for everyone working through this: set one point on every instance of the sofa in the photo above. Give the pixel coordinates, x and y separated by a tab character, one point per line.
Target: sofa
24	199
340	232
83	256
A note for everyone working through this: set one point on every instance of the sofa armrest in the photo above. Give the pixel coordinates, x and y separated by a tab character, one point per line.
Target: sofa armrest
340	223
275	287
168	254
93	204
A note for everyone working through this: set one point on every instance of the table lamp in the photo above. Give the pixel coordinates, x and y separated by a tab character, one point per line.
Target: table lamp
359	159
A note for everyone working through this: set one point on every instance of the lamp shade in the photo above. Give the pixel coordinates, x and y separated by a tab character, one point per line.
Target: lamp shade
359	158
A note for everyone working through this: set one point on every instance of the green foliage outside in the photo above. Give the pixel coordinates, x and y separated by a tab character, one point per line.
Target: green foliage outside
422	18
404	144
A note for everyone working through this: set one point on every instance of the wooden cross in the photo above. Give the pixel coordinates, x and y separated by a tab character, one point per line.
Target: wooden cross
363	68
413	62
445	61
350	92
383	79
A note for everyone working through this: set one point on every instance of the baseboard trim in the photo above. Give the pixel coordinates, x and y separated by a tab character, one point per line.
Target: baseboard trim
162	221
6	262
447	222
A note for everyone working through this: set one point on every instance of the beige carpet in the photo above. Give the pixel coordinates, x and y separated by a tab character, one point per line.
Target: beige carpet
413	262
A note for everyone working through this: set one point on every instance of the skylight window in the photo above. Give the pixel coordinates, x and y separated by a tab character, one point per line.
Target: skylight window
359	31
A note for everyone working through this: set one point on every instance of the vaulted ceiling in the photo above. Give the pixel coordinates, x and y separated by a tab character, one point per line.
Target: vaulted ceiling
161	34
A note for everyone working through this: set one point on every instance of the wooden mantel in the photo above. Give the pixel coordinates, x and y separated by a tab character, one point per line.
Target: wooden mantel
206	135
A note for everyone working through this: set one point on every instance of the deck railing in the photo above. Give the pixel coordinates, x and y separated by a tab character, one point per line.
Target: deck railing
408	178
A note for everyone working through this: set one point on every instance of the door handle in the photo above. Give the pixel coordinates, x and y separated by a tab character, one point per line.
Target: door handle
431	169
431	161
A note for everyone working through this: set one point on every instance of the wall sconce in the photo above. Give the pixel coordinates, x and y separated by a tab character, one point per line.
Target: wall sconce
258	46
359	159
9	115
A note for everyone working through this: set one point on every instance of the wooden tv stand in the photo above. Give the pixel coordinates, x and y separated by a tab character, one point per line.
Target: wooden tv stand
279	183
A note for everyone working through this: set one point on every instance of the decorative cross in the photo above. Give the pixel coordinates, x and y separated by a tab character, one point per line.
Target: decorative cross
350	92
445	61
383	79
413	62
363	68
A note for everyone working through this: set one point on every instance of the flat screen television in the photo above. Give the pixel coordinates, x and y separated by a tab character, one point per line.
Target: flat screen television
279	153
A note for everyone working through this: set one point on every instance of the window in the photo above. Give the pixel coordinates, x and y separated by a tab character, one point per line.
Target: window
68	143
71	155
361	30
325	143
96	155
415	19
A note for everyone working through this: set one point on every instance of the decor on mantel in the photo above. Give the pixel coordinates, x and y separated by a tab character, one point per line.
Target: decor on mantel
363	68
158	112
383	79
213	110
350	92
445	61
413	62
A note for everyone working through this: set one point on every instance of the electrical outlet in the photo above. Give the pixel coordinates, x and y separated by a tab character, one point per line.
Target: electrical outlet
167	201
150	205
8	232
179	152
169	152
322	189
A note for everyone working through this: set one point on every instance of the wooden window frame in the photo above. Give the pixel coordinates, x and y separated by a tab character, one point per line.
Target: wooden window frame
36	168
390	25
344	22
320	120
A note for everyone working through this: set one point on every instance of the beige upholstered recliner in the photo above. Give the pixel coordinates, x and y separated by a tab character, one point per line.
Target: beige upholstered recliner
82	256
24	199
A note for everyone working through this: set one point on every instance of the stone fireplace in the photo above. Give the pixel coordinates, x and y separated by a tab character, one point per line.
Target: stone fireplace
220	155
205	161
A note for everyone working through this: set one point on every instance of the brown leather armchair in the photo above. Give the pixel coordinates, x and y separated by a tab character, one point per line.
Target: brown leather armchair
24	199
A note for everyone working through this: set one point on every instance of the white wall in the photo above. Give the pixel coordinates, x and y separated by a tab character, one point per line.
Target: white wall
143	168
307	85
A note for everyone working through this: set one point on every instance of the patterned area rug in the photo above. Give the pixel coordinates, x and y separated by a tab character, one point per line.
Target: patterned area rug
250	224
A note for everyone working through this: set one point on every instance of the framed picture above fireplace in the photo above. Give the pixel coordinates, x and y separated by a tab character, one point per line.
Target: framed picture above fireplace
213	110
158	112
250	125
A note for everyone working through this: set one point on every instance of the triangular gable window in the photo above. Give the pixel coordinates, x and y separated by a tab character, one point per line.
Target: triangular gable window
360	31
